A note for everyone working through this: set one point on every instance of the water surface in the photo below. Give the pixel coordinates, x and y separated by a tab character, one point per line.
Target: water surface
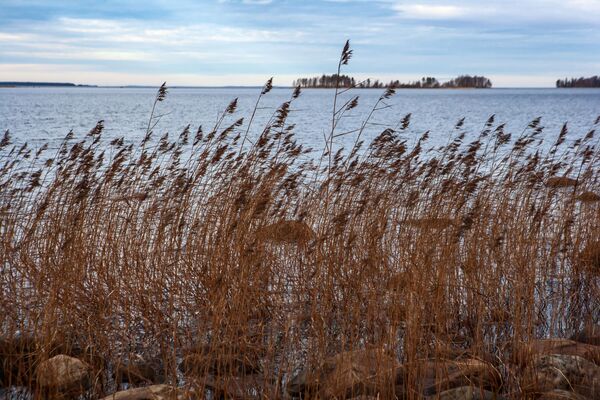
39	114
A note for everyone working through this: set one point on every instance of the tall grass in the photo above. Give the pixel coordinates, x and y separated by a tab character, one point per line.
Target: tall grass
254	258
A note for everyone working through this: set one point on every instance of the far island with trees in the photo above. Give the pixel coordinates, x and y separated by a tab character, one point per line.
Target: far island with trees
591	82
345	81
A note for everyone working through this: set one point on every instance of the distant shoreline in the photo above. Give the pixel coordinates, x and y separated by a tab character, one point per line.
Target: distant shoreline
42	84
20	85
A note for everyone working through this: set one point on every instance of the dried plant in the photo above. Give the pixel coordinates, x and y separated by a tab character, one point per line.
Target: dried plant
244	258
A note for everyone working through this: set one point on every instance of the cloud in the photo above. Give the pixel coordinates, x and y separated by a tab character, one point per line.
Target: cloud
88	55
430	11
258	2
14	37
584	5
232	37
140	32
501	12
69	38
249	2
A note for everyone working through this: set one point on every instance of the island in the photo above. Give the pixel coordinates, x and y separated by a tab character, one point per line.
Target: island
591	82
345	81
42	84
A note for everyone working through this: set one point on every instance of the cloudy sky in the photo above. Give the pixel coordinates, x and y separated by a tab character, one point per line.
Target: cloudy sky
243	42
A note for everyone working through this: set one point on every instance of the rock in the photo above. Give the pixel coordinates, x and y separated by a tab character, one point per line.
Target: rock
138	371
558	394
238	387
154	392
467	393
63	377
349	374
17	359
559	371
88	353
438	376
590	335
527	351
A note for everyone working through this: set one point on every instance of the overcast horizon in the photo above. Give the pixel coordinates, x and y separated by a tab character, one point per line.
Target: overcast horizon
528	43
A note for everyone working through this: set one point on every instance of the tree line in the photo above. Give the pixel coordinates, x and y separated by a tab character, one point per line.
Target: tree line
345	81
591	82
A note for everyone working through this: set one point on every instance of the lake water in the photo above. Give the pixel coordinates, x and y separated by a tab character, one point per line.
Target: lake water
47	114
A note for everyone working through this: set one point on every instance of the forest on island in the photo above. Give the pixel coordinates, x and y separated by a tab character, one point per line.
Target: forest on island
591	82
345	81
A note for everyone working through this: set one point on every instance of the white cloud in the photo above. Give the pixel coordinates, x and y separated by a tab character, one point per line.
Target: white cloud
501	12
258	2
430	11
584	5
14	37
83	54
130	40
135	31
436	37
250	2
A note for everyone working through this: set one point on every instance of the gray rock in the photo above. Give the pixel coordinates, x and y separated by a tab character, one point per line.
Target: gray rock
560	371
154	392
467	393
348	374
63	377
559	394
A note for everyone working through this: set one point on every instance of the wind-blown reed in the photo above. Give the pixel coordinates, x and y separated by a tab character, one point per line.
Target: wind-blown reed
259	257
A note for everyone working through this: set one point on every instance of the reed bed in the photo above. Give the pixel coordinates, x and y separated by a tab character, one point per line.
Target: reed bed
215	253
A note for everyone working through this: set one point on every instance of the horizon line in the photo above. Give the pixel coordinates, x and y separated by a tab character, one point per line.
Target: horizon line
16	84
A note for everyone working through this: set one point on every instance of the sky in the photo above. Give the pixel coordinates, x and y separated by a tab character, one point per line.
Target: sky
516	43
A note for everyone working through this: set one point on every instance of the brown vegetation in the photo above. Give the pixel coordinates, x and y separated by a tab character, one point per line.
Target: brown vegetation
242	268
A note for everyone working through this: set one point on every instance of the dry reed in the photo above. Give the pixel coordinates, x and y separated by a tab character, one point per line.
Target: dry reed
218	257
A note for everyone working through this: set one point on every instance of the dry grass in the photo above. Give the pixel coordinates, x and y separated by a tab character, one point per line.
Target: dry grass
252	259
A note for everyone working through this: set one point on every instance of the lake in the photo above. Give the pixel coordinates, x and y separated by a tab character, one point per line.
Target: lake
40	114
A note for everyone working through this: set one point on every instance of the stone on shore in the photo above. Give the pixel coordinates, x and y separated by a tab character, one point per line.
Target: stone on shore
154	392
589	335
467	393
349	374
438	376
138	371
244	387
528	351
17	360
559	394
63	377
548	372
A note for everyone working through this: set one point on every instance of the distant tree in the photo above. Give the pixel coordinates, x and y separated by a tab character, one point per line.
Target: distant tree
344	81
467	81
429	82
591	82
326	81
